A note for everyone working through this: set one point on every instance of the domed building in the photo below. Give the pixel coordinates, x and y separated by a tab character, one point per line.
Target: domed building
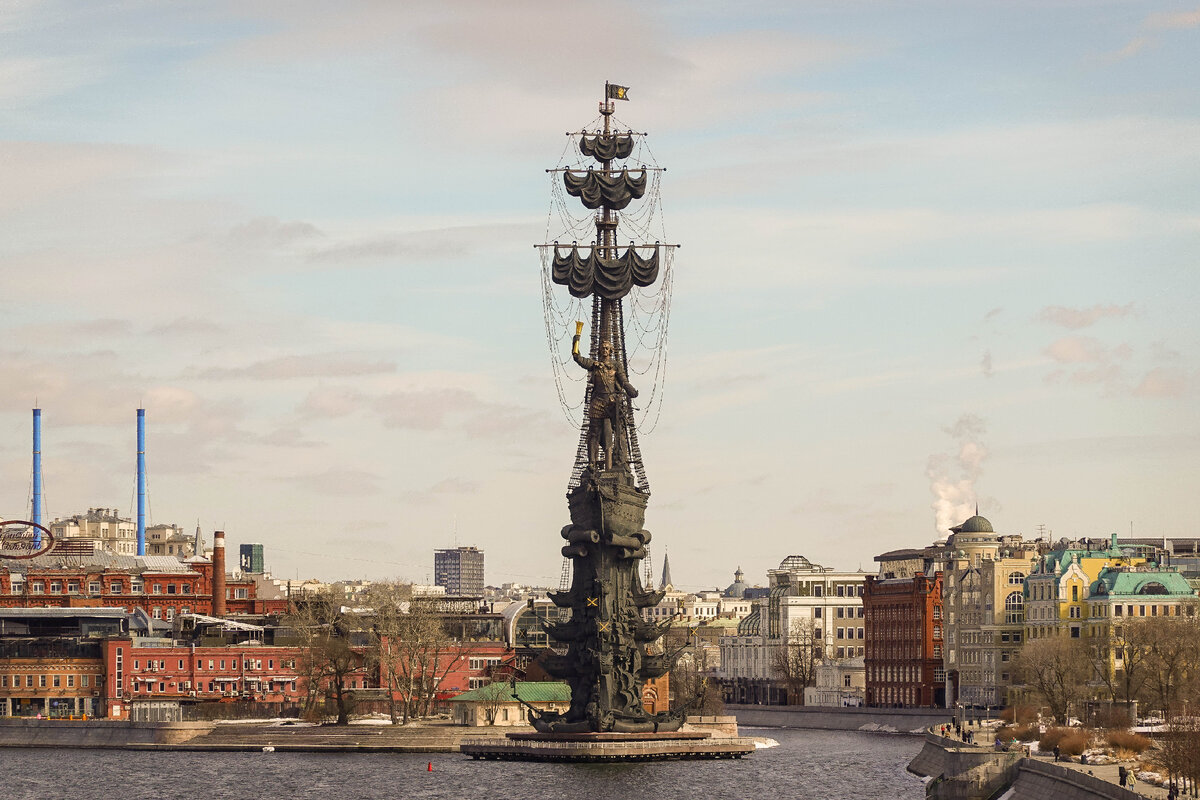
738	588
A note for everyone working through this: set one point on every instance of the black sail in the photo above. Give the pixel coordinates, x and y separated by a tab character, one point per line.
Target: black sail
610	278
606	148
601	190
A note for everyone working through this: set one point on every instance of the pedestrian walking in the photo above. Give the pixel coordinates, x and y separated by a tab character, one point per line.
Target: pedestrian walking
1122	774
1056	753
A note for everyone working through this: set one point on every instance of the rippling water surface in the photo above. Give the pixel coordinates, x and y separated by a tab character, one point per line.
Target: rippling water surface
807	764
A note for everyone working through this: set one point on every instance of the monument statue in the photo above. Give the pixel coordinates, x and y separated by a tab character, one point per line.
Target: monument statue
609	646
606	412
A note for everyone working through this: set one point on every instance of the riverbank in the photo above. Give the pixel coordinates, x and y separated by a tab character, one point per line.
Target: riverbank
361	736
908	721
961	771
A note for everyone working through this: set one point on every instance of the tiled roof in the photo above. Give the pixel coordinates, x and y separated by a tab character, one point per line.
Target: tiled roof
529	691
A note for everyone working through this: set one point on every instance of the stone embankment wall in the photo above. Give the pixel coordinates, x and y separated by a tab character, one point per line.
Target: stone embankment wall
892	720
1038	780
969	772
722	727
961	771
96	733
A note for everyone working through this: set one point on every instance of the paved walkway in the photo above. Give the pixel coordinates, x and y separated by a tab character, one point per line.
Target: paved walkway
1107	772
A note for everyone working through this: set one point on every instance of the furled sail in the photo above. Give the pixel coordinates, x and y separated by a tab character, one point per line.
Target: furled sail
610	278
598	189
606	148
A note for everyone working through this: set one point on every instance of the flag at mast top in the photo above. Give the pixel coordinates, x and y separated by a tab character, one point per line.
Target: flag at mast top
614	92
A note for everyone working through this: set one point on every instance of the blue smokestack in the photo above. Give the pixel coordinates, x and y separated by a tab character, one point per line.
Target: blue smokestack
141	481
36	514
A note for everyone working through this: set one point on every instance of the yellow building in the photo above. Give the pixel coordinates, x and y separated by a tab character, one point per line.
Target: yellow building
1058	594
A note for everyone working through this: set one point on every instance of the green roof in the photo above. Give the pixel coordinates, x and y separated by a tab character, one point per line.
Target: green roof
529	691
1143	582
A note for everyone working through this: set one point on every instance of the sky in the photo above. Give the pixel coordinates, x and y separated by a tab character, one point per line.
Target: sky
934	255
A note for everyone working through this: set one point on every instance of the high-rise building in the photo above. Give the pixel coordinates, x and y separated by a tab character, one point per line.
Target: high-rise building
251	558
460	570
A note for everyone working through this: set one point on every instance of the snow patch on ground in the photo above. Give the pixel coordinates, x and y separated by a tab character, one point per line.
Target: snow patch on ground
763	744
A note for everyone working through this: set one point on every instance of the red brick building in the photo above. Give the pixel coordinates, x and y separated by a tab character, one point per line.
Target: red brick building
251	672
904	629
162	586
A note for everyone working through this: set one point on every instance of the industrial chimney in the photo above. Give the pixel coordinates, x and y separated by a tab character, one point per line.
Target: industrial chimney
218	576
141	481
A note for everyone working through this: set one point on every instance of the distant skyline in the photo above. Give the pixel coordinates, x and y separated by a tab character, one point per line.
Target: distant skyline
934	255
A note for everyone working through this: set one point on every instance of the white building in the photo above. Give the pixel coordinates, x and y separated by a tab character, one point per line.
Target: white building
102	526
805	600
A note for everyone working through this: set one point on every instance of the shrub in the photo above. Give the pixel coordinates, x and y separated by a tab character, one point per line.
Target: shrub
1123	740
1051	737
1075	743
1005	733
1023	733
1009	714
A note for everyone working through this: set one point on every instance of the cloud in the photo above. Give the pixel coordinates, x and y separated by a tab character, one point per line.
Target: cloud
1162	382
985	364
1077	318
445	408
1085	349
270	231
1158	22
1172	20
329	365
330	402
188	327
337	483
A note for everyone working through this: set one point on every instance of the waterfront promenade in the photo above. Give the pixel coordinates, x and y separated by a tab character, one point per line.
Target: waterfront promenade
1065	779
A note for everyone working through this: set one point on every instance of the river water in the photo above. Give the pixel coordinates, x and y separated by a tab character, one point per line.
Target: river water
806	764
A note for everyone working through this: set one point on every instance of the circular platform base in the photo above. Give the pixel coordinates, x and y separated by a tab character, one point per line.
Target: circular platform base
606	747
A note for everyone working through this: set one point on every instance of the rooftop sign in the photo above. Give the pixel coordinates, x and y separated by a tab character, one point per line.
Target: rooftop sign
23	539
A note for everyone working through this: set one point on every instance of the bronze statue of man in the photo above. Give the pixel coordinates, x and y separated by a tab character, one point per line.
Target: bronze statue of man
606	412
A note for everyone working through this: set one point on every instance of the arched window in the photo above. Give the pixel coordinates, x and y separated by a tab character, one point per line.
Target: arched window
1016	579
1014	608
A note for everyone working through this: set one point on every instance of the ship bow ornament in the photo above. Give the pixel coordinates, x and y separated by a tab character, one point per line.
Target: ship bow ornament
605	648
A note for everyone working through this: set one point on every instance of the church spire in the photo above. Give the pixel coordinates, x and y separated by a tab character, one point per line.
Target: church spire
666	575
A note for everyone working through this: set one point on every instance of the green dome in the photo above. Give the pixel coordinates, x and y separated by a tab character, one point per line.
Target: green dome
975	524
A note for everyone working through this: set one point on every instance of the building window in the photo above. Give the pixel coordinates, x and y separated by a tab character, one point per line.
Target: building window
55	587
157	588
73	587
156	612
94	587
170	588
28	681
135	586
85	680
42	681
186	588
817	612
1074	594
1016	579
57	681
117	587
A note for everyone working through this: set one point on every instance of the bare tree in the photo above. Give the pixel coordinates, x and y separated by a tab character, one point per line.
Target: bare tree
1057	670
692	682
324	628
1173	654
424	655
389	603
795	659
492	698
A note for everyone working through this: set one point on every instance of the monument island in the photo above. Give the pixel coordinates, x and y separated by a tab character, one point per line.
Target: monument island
605	650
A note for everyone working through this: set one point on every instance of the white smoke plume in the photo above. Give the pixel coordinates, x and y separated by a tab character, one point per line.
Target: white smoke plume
952	476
